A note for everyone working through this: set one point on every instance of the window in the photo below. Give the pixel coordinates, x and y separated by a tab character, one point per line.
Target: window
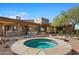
7	28
13	28
10	28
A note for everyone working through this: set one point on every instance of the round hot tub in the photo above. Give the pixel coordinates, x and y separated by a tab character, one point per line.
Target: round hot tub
41	46
41	43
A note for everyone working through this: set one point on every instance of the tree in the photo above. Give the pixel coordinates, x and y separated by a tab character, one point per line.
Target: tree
74	15
61	19
67	17
56	21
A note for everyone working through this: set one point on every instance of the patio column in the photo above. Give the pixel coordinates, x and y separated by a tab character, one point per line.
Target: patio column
18	28
55	29
3	30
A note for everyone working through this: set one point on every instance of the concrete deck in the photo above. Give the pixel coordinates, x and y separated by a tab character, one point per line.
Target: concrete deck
61	49
7	51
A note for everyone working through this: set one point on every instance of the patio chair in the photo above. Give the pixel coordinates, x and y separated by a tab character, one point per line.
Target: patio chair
66	40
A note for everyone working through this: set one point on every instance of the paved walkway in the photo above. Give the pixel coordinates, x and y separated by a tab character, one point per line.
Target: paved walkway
75	46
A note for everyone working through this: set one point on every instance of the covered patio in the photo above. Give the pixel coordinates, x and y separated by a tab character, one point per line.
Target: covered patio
13	27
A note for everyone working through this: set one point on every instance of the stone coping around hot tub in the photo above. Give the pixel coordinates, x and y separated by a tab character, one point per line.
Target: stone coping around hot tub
61	49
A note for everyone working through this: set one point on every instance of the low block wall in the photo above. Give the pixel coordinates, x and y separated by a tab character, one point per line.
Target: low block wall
22	33
13	33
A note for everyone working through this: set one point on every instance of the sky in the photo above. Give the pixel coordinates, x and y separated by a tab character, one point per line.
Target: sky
34	10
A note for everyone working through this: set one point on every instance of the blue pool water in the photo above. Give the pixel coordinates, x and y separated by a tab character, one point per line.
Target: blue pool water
41	43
